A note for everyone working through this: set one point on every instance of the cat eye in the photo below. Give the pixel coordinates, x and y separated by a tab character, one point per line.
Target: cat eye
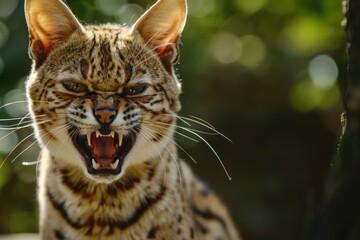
135	90
74	86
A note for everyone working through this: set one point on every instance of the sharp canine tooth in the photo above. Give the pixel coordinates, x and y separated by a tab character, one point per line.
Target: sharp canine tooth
95	164
115	164
120	139
112	134
89	139
98	134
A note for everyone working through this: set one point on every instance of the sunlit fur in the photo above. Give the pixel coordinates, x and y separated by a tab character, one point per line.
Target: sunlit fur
155	196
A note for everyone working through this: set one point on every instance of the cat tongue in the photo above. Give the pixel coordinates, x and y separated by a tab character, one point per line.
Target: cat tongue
103	149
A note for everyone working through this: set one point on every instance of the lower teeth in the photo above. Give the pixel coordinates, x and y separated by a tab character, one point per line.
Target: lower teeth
95	164
115	164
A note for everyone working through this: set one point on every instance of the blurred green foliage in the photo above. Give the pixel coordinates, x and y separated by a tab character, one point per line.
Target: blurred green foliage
262	71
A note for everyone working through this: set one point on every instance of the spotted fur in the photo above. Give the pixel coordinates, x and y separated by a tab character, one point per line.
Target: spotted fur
113	80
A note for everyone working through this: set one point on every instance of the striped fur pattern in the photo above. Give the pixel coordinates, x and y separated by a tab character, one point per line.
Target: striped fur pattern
104	100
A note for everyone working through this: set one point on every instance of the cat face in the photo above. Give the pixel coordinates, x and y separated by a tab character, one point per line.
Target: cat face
103	97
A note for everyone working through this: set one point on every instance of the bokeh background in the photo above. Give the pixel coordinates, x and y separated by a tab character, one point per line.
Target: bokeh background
263	72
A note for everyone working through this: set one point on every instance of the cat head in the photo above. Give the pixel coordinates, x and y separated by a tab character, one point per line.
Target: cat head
103	97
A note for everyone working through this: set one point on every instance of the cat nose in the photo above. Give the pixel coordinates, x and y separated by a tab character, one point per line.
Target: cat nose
105	115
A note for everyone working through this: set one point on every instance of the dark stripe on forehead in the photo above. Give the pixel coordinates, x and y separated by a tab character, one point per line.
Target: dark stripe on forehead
128	72
105	50
105	53
120	55
116	38
92	47
84	68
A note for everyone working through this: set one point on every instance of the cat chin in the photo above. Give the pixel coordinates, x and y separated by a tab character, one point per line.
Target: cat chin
103	179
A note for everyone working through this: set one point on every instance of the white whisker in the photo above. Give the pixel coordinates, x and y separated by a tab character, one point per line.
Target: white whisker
16	146
156	124
181	148
148	138
207	125
147	43
12	103
197	133
150	51
47	133
30	163
213	150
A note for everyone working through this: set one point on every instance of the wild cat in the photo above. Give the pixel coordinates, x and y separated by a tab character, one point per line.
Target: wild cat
104	102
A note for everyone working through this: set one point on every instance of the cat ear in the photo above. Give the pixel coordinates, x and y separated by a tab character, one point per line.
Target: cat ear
50	22
161	26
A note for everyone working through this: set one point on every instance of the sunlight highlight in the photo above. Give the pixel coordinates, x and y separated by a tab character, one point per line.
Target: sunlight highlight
251	7
306	96
110	7
253	51
8	142
7	7
323	71
4	34
201	8
17	109
310	34
226	47
129	13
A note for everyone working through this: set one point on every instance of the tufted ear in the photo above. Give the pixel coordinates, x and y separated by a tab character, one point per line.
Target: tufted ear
50	22
161	26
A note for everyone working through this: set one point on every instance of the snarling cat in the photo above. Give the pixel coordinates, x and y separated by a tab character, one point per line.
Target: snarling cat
104	100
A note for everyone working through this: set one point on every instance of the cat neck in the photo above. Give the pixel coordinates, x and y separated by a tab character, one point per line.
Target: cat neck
138	195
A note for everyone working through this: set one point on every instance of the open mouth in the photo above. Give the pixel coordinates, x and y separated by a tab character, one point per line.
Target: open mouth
103	151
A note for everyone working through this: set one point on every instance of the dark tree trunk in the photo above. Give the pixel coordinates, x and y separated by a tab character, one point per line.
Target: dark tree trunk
340	218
